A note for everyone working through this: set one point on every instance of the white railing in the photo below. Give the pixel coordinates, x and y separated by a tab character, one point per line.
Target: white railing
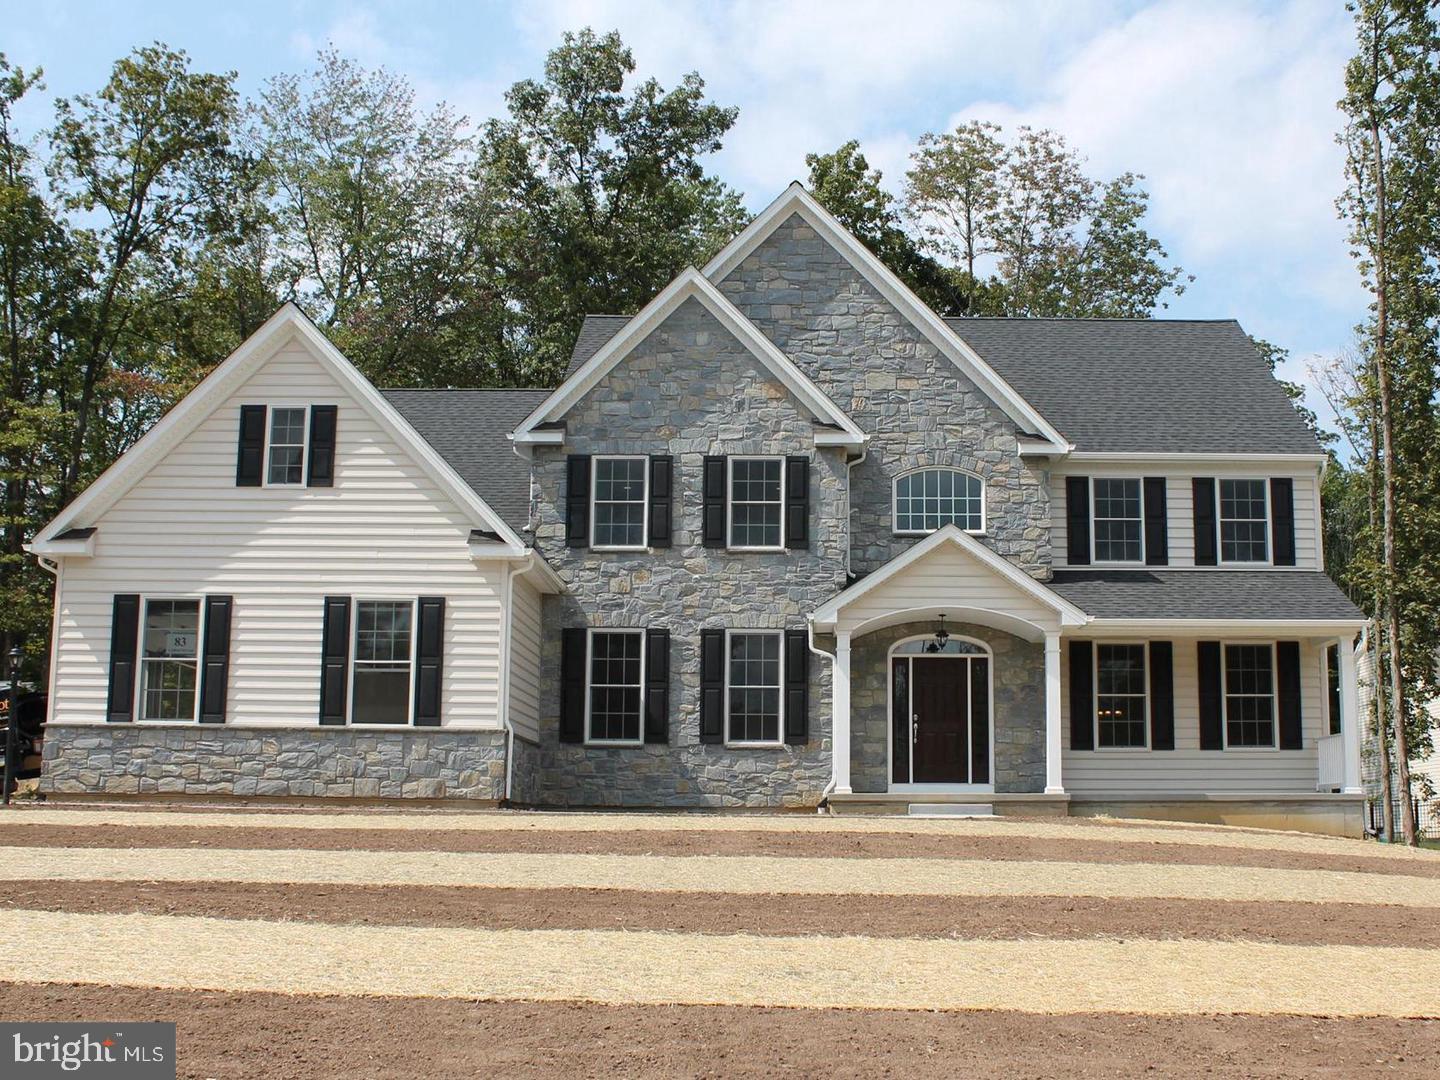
1332	763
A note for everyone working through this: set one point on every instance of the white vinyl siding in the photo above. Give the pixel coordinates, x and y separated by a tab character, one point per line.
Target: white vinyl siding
1180	509
1188	770
385	530
525	660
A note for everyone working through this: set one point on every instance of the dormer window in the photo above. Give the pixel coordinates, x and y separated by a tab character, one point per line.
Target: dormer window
932	498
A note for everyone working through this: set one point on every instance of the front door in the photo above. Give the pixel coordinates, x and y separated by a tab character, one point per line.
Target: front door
942	719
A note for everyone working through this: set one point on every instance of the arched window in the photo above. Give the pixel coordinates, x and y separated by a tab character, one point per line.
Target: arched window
931	498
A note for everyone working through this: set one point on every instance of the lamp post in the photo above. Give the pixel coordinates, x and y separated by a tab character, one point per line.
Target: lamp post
12	725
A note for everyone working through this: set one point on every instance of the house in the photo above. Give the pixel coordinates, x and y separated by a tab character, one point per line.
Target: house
784	538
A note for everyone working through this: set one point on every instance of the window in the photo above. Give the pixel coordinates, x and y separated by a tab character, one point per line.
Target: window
931	498
1120	720
618	494
615	685
752	688
381	680
1118	524
170	658
1243	521
286	456
1249	695
1332	688
756	503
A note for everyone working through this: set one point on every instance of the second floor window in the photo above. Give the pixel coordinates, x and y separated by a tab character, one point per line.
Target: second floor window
618	512
1119	527
285	458
932	498
1244	522
757	503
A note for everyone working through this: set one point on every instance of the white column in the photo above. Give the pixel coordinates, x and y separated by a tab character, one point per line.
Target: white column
1053	781
840	720
1351	723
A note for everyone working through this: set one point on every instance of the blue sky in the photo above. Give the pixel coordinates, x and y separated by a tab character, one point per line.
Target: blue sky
1228	108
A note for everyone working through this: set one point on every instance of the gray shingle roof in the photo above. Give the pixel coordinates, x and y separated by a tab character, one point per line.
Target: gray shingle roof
1138	385
469	429
1204	594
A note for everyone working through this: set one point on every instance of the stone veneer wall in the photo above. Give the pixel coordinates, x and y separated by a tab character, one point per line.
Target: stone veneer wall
214	759
1018	672
913	402
690	389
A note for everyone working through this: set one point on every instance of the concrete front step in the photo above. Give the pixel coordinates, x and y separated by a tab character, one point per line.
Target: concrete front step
949	810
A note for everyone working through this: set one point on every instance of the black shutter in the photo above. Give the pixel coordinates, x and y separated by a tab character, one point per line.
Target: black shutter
429	660
797	502
712	686
1162	695
334	659
1157	532
714	502
1203	489
662	470
657	686
320	468
1077	520
124	657
573	650
797	686
577	501
1287	694
1082	695
215	663
1282	515
249	462
1207	659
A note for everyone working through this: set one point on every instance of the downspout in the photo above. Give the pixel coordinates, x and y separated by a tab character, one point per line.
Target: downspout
810	640
850	464
508	616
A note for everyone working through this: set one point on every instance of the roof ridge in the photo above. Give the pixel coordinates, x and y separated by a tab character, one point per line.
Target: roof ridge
1081	318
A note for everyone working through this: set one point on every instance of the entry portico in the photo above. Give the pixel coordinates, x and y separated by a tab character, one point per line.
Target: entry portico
934	699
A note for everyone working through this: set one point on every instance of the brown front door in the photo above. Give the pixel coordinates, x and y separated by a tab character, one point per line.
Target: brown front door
941	727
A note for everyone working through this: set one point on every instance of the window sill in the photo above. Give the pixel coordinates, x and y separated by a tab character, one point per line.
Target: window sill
758	550
614	744
1122	749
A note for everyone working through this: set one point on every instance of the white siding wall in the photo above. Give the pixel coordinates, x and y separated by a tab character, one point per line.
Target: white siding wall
525	660
1187	769
384	530
1179	503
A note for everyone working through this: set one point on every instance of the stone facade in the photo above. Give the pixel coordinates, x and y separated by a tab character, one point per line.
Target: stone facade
1018	675
688	390
917	407
216	760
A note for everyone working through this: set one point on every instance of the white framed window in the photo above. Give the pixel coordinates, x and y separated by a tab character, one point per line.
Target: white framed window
754	695
619	502
170	660
382	666
1122	701
1249	685
928	499
756	506
1118	525
1244	521
285	446
615	687
1330	661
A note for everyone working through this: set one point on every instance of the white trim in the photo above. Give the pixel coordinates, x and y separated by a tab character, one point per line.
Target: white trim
220	385
1220	560
644	459
270	411
1237	627
1095	559
631	631
1095	688
1225	696
1116	456
968	786
757	744
730	502
895	500
796	200
1070	615
143	662
689	285
355	602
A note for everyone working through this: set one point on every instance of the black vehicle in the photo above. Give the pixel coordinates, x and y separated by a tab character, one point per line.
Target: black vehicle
30	711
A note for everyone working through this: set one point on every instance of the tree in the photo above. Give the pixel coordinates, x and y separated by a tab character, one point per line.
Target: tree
844	184
602	196
1392	142
1032	233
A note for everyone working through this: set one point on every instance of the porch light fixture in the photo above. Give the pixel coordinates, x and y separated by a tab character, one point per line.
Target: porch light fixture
941	637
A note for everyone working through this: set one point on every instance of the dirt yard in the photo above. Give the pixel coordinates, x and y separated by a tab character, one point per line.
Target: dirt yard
372	944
